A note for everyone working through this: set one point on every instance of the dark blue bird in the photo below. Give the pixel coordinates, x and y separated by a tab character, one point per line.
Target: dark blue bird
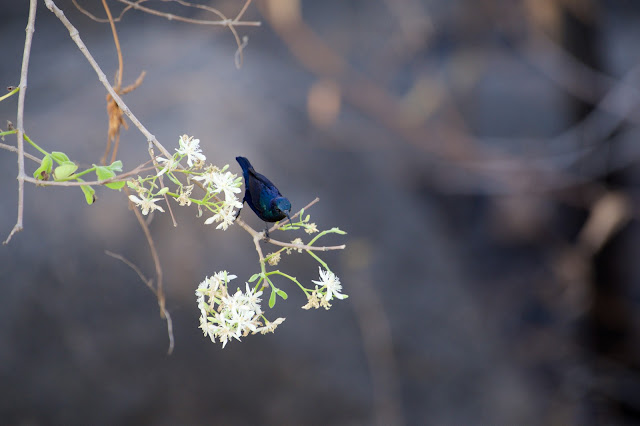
262	196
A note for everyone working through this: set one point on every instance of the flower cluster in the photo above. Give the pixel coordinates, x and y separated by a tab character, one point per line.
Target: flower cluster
220	185
226	316
326	289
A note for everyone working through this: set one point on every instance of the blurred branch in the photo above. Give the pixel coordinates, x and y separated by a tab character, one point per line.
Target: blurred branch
20	116
75	35
149	284
377	340
224	21
159	290
467	163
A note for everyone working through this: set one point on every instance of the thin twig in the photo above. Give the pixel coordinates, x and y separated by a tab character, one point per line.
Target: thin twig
118	178
14	149
225	22
95	18
75	36
149	284
156	259
305	247
161	180
116	41
284	222
259	236
20	116
242	11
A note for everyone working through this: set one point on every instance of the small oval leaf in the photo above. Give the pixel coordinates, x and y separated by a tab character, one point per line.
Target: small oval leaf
60	157
115	185
116	166
104	173
89	194
64	170
272	299
43	172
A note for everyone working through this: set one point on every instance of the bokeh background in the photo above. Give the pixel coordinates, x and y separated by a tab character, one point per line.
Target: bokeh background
481	154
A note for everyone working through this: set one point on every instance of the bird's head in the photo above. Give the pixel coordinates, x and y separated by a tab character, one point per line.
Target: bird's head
282	205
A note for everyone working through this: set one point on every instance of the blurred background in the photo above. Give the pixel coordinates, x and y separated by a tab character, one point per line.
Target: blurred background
482	156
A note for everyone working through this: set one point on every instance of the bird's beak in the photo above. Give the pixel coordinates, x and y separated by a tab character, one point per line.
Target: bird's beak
288	217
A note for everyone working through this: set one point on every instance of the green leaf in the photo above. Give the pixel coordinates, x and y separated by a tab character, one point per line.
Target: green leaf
64	170
282	294
272	299
43	172
338	231
254	277
115	185
116	166
89	193
60	157
103	172
307	218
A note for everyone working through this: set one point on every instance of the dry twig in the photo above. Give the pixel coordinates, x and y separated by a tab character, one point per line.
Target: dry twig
20	116
149	284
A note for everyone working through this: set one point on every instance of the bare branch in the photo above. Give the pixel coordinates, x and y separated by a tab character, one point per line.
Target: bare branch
284	222
149	284
159	289
305	247
20	116
101	20
225	22
14	149
118	178
75	36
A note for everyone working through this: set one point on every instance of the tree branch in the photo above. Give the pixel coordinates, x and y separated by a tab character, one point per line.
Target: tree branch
20	119
75	36
149	284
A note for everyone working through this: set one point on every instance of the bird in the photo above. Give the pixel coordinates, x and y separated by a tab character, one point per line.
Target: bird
262	196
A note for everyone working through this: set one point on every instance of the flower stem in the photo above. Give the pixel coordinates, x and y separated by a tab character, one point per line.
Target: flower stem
35	145
306	290
13	92
318	259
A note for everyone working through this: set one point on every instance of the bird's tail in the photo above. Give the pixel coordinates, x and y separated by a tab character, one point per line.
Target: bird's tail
244	163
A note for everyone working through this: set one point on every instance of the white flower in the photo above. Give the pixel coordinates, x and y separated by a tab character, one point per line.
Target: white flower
232	202
270	327
225	215
225	316
185	193
170	165
226	182
146	204
207	177
218	279
191	148
208	329
226	333
332	283
252	300
311	228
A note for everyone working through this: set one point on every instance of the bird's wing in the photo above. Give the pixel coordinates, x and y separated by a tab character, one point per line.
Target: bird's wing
262	190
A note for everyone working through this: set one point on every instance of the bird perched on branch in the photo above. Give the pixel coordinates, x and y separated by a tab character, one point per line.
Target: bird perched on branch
262	196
